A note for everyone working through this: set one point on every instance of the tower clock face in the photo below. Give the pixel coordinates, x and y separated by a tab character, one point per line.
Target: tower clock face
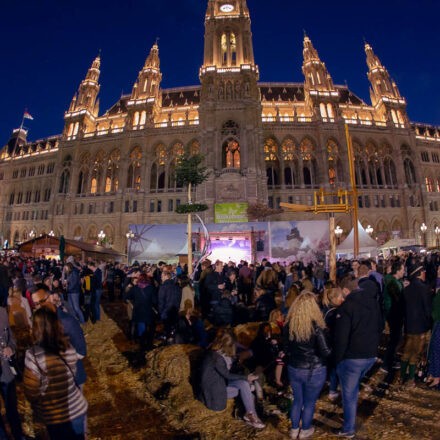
227	7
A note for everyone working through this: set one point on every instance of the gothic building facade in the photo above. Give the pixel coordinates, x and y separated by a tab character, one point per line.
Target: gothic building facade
265	142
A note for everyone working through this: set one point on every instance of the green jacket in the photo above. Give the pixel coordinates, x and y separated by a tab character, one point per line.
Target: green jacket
392	294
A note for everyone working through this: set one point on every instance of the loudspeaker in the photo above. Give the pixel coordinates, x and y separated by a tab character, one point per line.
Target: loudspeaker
260	246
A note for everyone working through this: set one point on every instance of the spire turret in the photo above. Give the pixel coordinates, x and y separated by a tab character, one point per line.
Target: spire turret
84	107
320	93
385	95
148	82
88	89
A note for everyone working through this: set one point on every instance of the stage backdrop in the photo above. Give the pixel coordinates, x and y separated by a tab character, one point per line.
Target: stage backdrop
276	241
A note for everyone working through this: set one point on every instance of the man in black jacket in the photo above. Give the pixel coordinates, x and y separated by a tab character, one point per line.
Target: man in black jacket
359	326
418	309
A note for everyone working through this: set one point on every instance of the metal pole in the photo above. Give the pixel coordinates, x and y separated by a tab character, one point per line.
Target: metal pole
354	192
332	259
189	234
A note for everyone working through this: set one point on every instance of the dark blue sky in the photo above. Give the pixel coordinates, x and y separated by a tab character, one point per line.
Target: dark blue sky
46	47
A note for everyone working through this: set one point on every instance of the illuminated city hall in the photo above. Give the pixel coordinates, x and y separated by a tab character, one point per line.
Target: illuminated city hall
262	142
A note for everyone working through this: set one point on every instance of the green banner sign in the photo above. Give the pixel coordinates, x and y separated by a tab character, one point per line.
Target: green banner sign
231	213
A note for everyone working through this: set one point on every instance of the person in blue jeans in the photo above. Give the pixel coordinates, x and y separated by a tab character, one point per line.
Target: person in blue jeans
358	328
306	347
73	289
96	291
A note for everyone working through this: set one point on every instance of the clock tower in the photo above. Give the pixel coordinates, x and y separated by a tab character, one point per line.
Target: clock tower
230	107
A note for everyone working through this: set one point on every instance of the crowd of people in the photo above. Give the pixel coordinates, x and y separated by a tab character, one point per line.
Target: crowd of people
310	331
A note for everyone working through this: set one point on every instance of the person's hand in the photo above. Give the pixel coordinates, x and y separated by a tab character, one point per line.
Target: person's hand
221	286
7	352
252	377
234	292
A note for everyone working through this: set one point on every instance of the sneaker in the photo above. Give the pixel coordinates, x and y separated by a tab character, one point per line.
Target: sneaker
307	433
253	420
342	434
333	395
294	433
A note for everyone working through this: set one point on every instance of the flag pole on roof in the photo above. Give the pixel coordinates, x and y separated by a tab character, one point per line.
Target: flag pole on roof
26	115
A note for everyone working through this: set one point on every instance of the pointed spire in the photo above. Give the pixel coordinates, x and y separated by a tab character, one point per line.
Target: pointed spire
153	60
372	60
309	52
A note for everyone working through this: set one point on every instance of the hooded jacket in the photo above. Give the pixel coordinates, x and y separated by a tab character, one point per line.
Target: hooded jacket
359	325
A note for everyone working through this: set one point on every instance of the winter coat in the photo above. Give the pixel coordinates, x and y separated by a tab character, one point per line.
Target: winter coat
223	312
307	355
359	326
184	332
418	307
142	299
72	329
263	306
170	296
215	376
187	295
73	282
210	285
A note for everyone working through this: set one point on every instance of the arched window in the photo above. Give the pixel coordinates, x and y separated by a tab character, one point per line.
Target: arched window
410	172
194	147
429	184
307	176
143	118
330	111
288	150
229	49
136	119
288	176
134	169
64	182
231	154
111	180
94	186
153	177
161	181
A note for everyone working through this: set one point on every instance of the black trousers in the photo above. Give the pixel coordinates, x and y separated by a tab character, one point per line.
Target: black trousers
9	397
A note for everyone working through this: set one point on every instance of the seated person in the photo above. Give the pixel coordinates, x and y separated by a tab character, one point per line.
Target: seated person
190	328
266	353
264	304
224	310
218	384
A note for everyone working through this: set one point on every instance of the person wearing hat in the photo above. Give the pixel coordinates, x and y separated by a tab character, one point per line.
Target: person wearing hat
418	309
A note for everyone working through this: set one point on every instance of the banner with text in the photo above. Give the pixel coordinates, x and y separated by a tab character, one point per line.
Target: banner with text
231	213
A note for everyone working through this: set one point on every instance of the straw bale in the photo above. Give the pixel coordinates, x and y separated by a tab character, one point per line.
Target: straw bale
246	333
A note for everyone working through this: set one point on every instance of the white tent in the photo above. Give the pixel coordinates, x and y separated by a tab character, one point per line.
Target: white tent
367	246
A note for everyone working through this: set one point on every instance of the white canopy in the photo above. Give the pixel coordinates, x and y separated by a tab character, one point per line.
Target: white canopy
366	244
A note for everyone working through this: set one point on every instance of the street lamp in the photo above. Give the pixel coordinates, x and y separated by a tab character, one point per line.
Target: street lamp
101	237
369	230
32	234
437	233
129	235
51	234
424	228
338	233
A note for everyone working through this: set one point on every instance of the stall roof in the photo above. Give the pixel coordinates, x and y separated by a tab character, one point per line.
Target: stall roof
81	245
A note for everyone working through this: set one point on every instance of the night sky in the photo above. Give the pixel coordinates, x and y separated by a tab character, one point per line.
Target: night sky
46	47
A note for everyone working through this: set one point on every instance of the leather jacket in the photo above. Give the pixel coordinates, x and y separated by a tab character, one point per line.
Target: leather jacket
307	355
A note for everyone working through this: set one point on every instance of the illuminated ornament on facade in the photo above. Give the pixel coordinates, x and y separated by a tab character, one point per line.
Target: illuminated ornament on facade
227	7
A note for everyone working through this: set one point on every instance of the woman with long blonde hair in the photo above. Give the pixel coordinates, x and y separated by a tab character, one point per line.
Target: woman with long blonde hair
307	350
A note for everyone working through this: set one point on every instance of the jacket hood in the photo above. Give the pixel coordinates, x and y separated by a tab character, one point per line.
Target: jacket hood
364	297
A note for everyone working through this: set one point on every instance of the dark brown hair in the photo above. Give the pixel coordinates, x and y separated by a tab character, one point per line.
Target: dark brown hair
47	331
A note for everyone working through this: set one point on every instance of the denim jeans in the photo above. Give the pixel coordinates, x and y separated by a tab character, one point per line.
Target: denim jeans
350	372
334	380
9	397
306	386
73	430
243	388
96	314
73	299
